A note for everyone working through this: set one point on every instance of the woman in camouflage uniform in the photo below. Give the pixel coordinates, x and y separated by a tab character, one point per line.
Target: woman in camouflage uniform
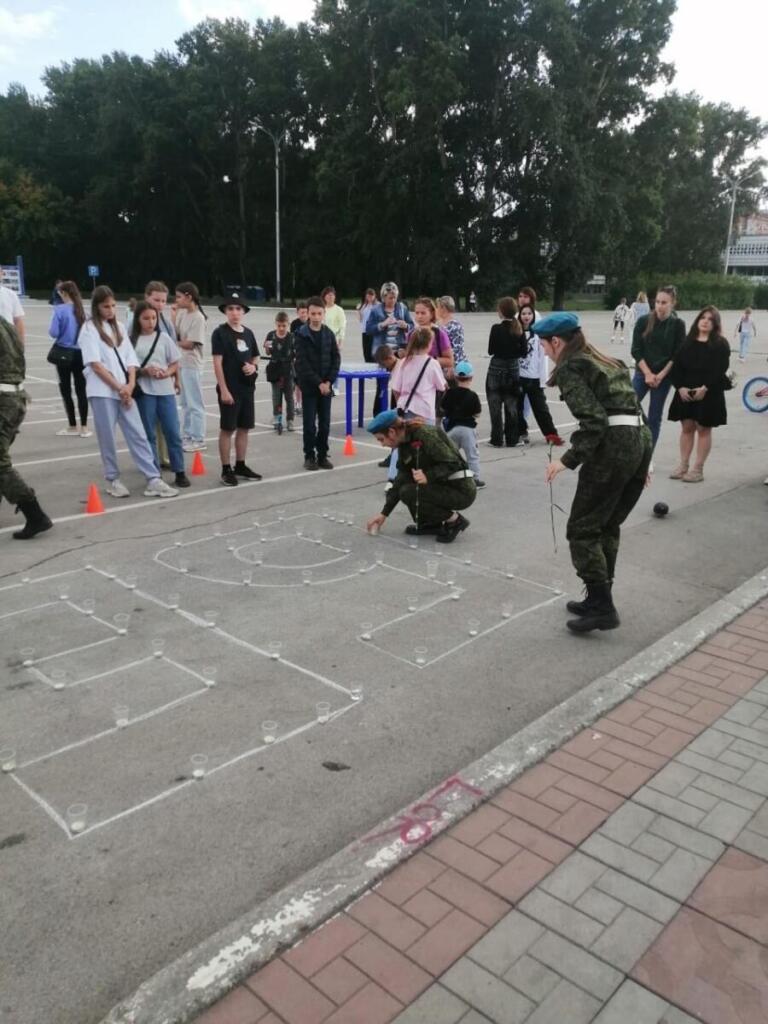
613	447
433	479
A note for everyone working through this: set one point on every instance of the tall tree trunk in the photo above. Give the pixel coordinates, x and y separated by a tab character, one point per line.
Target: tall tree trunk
558	291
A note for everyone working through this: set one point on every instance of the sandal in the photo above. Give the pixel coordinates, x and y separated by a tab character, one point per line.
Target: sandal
693	476
680	472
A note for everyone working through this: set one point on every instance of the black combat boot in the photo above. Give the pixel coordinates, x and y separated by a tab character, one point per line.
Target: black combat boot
600	612
584	607
37	520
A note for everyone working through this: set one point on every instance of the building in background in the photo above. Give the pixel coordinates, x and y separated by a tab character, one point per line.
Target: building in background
747	256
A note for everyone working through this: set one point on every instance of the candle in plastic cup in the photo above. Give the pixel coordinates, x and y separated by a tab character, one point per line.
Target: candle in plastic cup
414	545
88	605
183	565
326	513
421	655
26	579
109	572
468	559
121	622
366	629
450	576
356	693
77	817
274	647
87	564
173	601
247	579
455	595
131	580
306	576
211	617
7	759
506	611
217	531
209	675
323	709
350	519
177	543
269	731
412	603
58	678
121	716
231	545
473	626
158	647
280	514
64	591
510	572
27	655
432	568
299	530
199	763
362	567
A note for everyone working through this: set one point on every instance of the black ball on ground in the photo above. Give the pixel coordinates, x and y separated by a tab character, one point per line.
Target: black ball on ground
660	509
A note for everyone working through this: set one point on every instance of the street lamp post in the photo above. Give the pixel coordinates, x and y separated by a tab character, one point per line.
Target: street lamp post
276	140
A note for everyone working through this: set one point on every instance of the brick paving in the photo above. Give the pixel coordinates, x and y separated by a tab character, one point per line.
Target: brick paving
622	879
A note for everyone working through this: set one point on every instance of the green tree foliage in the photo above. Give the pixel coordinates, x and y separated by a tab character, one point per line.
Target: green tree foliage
448	145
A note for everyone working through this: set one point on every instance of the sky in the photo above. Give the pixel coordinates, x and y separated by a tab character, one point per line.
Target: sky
719	50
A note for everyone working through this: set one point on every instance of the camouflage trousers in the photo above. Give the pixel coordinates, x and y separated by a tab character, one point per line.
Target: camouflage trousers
437	502
609	488
13	409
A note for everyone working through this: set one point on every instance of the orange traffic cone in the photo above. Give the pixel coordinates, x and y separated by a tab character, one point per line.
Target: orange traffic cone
94	505
349	446
198	466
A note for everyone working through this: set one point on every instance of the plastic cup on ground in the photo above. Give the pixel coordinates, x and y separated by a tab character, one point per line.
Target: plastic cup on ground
306	575
323	709
110	573
510	572
77	818
210	673
356	693
432	568
269	731
183	565
173	601
473	626
177	543
257	559
121	716
455	595
231	546
88	606
280	515
362	567
199	764
326	513
158	647
58	678
211	617
468	558
299	530
506	611
64	590
366	630
274	647
7	759
27	655
131	580
26	579
121	622
87	564
217	531
412	603
420	654
247	579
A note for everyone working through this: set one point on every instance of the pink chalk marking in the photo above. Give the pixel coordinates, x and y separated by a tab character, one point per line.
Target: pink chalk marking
415	827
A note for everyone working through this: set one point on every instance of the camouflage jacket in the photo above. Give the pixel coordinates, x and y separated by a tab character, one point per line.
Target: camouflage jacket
593	391
428	449
12	365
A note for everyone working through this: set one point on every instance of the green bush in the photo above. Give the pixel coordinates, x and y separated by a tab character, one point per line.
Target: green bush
760	298
694	290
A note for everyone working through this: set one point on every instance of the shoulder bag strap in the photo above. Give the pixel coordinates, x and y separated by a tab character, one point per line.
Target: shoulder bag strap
418	381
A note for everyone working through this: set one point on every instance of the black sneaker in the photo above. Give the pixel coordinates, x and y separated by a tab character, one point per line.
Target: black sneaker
384	464
228	477
479	483
182	480
246	472
450	531
413	530
310	463
324	463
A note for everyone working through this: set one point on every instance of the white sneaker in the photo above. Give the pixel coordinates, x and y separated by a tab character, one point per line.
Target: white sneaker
158	488
188	446
67	432
766	481
85	432
116	489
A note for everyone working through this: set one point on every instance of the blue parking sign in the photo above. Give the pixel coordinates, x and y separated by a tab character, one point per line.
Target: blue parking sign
93	271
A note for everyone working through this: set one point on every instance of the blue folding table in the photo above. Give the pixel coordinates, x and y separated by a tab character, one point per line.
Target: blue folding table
361	372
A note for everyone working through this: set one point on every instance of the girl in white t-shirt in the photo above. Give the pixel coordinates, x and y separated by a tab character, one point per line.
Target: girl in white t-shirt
415	382
110	375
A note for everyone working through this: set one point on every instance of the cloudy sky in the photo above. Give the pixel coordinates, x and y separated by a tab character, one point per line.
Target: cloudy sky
719	50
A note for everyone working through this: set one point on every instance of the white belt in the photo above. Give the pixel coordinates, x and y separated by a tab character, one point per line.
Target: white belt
461	474
11	388
625	421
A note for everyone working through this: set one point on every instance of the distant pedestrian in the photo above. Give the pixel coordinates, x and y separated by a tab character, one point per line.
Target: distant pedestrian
335	317
446	318
472	302
699	376
506	347
235	360
534	373
639	307
655	340
67	319
190	337
745	331
280	346
317	365
364	308
620	317
13	408
612	447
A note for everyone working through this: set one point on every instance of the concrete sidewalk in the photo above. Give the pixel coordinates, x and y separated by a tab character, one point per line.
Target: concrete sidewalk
622	879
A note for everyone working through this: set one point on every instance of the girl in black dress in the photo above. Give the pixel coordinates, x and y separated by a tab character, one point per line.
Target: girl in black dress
698	375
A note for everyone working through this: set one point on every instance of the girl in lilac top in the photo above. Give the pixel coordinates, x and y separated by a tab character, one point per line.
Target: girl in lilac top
425	315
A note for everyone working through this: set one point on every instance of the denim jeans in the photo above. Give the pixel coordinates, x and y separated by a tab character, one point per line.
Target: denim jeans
192	404
655	403
502	386
316	420
162	409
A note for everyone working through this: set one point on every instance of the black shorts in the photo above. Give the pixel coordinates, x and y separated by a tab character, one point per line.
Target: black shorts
241	415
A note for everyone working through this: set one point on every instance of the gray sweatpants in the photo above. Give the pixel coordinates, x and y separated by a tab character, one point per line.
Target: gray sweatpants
465	438
107	413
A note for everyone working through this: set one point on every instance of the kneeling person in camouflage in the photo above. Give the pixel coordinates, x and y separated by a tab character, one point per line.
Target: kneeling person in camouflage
433	479
13	408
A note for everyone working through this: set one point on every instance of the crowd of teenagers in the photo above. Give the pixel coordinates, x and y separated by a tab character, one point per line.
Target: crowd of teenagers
132	374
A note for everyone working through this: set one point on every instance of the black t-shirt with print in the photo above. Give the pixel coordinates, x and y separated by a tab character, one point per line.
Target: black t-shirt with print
235	348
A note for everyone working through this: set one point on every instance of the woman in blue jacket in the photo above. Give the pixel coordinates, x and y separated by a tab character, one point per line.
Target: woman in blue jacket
67	319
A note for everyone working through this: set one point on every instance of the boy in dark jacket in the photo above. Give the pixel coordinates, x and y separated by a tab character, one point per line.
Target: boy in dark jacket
279	346
317	366
460	406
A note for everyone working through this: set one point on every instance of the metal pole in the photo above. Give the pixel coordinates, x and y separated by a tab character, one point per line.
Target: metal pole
279	288
730	227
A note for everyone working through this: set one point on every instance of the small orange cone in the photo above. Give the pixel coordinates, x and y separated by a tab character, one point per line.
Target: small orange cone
349	446
94	505
198	466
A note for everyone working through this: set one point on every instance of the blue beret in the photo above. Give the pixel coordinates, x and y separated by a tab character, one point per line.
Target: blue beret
464	369
555	323
381	423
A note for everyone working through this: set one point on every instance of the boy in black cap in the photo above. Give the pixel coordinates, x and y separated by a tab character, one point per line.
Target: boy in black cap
235	357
